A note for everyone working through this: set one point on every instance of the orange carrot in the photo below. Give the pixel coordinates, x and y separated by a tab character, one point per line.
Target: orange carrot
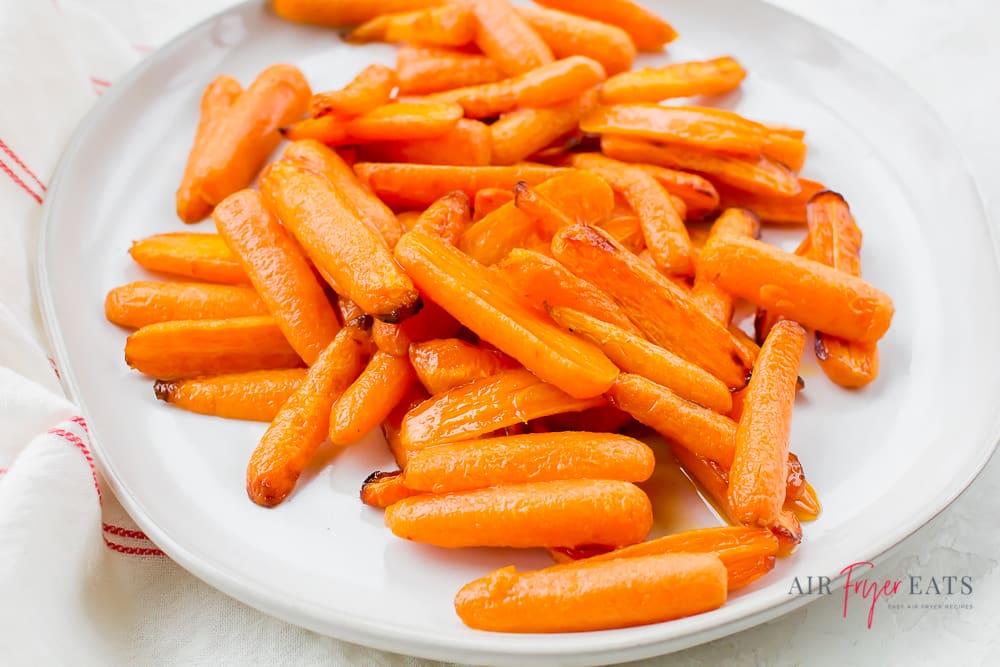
419	185
389	122
490	199
484	303
370	399
190	348
523	132
370	89
201	256
598	595
446	218
140	303
539	514
302	423
773	209
445	25
431	322
699	195
800	289
338	242
446	363
381	489
279	271
468	143
215	104
712	299
394	422
662	310
485	405
652	84
254	396
423	70
757	479
505	37
337	13
572	35
648	31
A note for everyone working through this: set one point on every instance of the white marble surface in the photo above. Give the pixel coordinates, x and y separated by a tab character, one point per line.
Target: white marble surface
949	52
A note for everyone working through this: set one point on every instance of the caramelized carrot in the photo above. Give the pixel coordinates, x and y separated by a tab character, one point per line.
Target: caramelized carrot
444	25
381	489
490	199
302	423
523	132
389	122
485	304
446	218
254	396
419	185
140	303
370	89
594	595
662	310
485	405
699	195
538	514
505	37
430	70
338	242
446	363
713	300
653	84
648	31
468	143
800	289
201	256
431	322
571	35
773	209
337	13
370	399
215	103
190	348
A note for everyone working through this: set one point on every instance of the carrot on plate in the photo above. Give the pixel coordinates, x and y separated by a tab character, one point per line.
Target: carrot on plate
370	89
562	513
521	133
443	25
192	255
254	396
648	31
143	302
468	143
712	299
381	489
572	35
445	363
653	84
430	323
770	208
594	595
370	398
506	38
335	13
424	70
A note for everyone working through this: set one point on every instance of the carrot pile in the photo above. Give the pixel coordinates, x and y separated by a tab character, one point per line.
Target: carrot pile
492	251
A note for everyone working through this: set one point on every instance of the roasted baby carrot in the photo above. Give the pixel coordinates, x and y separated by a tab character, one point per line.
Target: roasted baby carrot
759	174
389	122
241	142
338	242
483	302
370	398
423	70
490	199
201	256
653	84
444	25
563	513
337	13
254	396
191	348
532	457
648	31
662	310
420	185
446	218
662	224
572	35
279	271
698	194
370	89
328	163
520	133
835	240
140	303
506	38
770	208
468	143
302	423
381	489
485	405
717	302
594	595
757	479
215	103
445	363
430	323
800	289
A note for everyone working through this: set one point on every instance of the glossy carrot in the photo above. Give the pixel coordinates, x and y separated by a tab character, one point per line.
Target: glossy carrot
653	84
757	479
419	186
238	146
279	271
444	25
800	289
490	199
430	323
698	194
215	104
506	38
712	299
773	209
337	13
648	31
571	35
338	242
759	175
594	595
446	218
302	423
140	303
254	396
423	70
537	514
389	122
468	143
370	398
392	424
446	363
191	348
370	89
368	208
523	132
662	310
381	489
483	302
485	405
201	256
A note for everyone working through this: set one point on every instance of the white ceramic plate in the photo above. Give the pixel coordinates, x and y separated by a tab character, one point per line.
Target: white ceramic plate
884	459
